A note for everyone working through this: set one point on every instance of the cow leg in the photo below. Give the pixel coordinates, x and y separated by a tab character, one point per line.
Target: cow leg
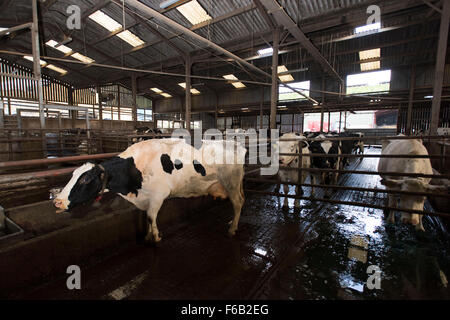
286	191
237	199
392	202
152	214
298	192
419	226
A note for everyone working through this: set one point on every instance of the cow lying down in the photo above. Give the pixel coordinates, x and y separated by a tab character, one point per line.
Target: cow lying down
404	165
151	171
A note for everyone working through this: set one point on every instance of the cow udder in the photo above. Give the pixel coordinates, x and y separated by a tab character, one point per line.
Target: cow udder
216	190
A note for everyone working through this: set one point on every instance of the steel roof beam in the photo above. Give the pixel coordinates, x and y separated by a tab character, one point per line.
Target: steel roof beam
285	20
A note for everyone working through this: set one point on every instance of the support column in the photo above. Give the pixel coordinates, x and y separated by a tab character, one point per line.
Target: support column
188	93
217	107
412	84
340	121
133	97
100	107
261	113
274	88
73	113
439	69
329	118
36	63
345	120
322	106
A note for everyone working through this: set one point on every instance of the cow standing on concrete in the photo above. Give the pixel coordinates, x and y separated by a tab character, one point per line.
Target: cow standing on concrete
293	162
350	146
151	171
325	147
403	165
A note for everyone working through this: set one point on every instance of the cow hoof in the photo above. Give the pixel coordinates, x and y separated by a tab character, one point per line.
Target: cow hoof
231	233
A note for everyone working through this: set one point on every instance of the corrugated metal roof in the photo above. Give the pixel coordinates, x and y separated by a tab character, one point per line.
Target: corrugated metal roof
246	24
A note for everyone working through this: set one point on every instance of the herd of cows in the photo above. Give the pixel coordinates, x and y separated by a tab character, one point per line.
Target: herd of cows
147	173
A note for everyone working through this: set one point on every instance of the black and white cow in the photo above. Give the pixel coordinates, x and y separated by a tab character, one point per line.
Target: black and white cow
403	165
350	146
151	171
325	147
293	162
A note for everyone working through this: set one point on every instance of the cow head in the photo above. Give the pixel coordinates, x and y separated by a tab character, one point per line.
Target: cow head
291	147
86	183
414	202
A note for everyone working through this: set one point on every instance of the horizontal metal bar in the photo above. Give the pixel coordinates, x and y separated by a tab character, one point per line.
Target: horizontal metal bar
369	138
352	155
9	164
386	173
16	28
10	178
350	203
324	186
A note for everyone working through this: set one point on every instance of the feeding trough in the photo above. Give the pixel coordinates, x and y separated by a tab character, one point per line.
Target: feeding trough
8	228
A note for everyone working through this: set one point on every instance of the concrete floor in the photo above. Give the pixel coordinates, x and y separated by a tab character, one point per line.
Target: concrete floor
278	253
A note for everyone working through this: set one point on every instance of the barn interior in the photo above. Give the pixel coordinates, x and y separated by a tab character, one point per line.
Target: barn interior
83	81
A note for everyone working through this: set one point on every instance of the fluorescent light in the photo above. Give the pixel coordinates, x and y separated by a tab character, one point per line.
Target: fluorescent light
166	95
81	57
130	38
265	52
284	77
282	107
105	21
194	12
368	27
428	97
64	49
367	66
230	77
236	84
156	90
112	25
369	54
245	109
57	69
3	29
193	90
30	58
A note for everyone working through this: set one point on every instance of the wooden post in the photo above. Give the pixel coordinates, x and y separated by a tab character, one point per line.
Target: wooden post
100	107
274	88
261	113
322	106
329	120
133	97
188	92
412	84
439	69
37	64
340	120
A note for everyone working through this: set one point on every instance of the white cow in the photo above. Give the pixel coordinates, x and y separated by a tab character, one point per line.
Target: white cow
403	165
151	171
293	162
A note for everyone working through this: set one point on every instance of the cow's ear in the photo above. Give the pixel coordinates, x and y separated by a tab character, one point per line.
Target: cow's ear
305	144
390	183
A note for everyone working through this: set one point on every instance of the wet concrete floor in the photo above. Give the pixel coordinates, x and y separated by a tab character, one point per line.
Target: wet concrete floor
321	251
